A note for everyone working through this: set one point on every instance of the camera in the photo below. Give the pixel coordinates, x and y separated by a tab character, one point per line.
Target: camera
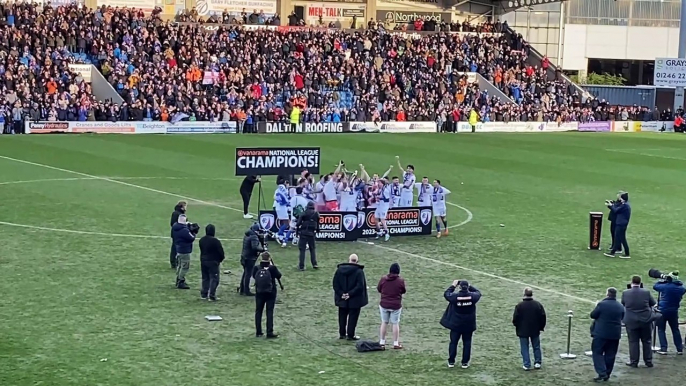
264	235
665	277
193	227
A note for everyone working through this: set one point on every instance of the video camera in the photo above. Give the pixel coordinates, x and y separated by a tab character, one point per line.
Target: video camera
193	227
265	234
664	277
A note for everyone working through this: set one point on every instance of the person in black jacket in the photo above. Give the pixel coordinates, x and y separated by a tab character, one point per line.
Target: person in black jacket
612	216
252	247
306	229
183	239
267	299
622	211
350	295
246	192
606	332
529	320
460	319
211	255
179	209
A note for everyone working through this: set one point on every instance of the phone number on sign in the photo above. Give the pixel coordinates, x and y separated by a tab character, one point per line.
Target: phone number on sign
670	75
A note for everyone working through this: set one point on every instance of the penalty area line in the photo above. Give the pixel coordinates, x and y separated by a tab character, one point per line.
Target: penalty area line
118	182
72	231
440	262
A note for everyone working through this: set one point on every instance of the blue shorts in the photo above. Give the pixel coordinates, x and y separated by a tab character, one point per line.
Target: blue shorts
390	316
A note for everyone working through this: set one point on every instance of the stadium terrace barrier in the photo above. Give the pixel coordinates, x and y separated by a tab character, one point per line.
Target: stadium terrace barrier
230	127
138	127
211	28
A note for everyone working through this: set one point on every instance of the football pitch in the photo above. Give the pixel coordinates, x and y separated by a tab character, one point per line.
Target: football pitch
87	296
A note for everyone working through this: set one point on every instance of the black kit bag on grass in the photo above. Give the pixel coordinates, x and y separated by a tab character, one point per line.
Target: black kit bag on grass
367	346
263	281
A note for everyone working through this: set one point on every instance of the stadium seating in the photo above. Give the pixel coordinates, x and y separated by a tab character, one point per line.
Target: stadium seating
167	69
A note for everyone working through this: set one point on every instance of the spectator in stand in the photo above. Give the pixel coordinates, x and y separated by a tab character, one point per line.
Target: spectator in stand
163	70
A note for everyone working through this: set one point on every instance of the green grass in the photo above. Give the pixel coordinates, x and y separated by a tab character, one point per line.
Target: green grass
69	301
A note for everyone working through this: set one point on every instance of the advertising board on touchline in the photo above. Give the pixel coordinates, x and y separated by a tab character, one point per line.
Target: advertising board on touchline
407	17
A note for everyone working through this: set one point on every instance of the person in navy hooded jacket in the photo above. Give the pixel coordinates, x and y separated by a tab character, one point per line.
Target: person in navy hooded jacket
671	291
460	319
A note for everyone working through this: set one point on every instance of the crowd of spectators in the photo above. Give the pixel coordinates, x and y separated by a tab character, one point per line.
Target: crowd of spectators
166	70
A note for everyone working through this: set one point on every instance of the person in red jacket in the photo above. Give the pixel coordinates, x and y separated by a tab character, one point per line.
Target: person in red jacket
392	288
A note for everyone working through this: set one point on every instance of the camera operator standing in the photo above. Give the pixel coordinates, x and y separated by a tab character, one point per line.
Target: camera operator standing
246	192
252	247
671	292
638	319
460	319
306	230
179	209
265	277
622	212
211	255
183	239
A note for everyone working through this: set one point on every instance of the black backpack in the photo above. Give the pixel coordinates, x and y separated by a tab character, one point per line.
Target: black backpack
263	281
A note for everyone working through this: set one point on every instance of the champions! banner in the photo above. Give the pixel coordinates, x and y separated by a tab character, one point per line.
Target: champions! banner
277	161
350	226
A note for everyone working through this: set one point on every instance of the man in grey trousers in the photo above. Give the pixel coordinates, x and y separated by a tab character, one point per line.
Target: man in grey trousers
638	318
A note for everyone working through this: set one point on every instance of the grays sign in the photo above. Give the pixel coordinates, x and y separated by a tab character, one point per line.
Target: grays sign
409	17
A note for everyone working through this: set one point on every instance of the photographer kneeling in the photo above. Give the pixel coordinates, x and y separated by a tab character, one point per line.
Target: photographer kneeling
671	292
252	247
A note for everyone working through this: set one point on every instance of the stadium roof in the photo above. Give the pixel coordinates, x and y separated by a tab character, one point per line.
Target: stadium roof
503	5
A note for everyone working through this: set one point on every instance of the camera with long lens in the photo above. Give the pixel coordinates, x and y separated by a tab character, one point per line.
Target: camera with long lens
263	235
193	227
663	277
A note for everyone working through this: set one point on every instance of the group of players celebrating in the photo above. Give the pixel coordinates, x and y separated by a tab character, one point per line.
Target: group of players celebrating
346	191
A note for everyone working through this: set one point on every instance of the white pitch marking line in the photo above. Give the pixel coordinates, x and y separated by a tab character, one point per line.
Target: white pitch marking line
114	178
470	215
91	233
379	246
486	274
119	182
645	154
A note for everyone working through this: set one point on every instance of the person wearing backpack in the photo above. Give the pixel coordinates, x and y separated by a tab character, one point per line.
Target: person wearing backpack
265	275
306	230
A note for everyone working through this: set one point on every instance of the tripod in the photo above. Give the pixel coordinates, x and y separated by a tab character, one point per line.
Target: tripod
260	197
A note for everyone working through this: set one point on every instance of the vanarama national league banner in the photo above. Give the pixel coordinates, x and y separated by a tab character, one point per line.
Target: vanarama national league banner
350	226
261	161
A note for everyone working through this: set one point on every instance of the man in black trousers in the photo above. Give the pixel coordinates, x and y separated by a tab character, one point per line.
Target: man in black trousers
246	192
622	211
179	209
606	332
252	247
306	230
638	319
350	295
211	256
460	319
265	275
612	217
